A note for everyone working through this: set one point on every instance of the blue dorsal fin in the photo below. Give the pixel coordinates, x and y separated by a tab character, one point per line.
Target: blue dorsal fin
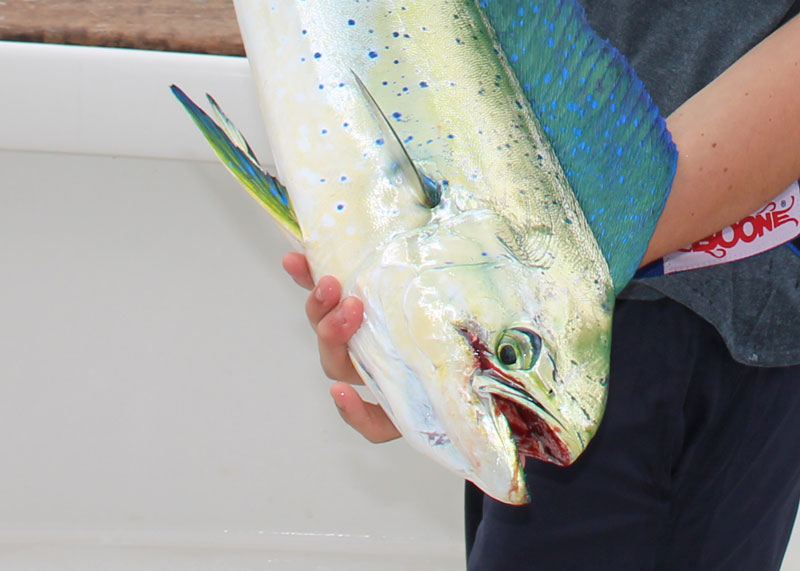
430	192
236	154
608	135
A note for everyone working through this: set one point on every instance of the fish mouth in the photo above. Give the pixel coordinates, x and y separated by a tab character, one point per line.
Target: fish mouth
537	432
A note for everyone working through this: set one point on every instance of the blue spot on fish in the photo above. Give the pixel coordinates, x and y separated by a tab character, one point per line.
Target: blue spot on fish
351	22
373	54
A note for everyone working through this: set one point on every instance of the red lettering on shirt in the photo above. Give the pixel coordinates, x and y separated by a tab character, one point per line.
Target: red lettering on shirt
768	219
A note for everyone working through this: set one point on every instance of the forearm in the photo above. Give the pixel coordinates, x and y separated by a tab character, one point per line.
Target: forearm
739	143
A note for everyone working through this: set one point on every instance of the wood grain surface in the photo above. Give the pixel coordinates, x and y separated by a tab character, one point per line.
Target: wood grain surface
199	26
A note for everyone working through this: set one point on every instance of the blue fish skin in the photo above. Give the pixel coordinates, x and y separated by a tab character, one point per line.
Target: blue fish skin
607	133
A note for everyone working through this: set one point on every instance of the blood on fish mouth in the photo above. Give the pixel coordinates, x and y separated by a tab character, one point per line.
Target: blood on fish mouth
533	435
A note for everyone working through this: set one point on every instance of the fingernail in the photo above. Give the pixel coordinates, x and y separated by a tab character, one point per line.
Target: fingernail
318	293
336	402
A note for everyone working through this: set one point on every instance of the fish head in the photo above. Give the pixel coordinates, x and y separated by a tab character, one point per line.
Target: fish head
494	354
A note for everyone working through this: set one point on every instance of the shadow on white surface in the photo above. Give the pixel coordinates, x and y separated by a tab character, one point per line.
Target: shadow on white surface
161	401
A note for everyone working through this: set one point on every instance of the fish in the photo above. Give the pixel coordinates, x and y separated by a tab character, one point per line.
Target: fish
484	176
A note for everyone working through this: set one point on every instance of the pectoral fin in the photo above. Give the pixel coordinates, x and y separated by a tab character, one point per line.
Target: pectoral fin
234	152
429	191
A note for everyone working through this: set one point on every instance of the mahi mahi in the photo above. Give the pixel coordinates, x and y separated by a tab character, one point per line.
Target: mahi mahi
485	177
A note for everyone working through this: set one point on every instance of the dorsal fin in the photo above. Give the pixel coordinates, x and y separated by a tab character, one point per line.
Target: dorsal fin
234	152
430	192
608	135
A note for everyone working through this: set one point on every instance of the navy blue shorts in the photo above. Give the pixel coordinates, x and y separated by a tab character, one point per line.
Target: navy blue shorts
696	464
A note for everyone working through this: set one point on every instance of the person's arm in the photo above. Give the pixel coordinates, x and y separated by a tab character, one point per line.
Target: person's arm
739	143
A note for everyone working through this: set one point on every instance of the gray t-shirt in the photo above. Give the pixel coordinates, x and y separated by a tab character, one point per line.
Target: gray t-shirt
677	48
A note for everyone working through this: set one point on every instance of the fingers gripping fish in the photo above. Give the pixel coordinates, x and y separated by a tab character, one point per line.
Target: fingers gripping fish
433	156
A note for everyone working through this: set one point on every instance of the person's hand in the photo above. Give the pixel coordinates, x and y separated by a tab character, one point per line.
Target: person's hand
335	320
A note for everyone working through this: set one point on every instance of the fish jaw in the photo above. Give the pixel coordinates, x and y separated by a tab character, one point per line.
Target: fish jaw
439	302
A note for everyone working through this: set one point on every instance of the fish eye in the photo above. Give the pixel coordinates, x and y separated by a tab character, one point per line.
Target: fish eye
507	354
518	348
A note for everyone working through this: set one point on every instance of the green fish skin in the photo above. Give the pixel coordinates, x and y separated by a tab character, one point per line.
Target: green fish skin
417	173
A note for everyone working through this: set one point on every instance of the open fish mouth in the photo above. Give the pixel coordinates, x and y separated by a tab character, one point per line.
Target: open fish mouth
535	429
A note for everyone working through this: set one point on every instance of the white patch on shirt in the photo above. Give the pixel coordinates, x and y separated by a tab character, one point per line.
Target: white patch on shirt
774	224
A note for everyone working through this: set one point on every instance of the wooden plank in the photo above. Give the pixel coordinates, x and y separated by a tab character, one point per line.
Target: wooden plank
199	26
